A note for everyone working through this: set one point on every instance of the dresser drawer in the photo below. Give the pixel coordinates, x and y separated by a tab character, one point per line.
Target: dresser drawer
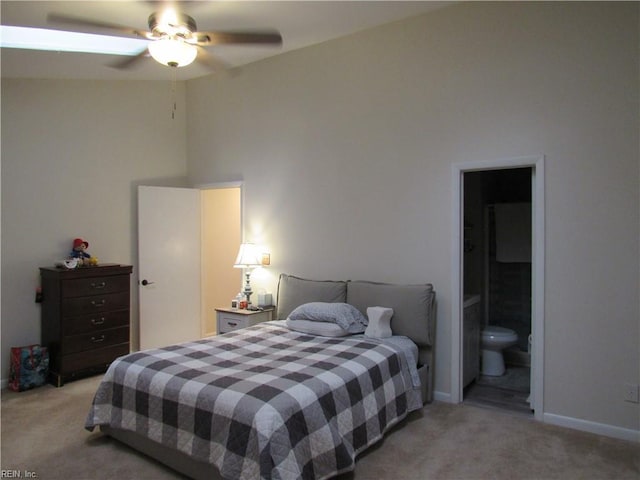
97	303
94	322
91	341
95	285
99	357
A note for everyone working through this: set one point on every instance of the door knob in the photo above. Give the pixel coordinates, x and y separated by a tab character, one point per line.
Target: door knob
145	282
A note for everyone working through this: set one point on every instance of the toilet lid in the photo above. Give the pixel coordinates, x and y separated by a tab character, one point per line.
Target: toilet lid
496	331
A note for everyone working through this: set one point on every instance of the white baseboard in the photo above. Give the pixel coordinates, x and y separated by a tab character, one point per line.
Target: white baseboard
4	383
442	397
593	427
570	422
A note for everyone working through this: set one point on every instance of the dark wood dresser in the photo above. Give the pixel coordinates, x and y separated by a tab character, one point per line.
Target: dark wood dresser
85	318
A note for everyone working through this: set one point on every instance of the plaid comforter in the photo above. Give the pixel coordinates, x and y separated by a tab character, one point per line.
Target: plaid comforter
262	402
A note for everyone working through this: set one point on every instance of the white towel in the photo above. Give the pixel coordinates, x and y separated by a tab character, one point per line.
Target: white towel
513	232
379	322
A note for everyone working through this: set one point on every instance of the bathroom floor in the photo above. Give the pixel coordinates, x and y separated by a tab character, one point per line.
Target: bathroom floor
508	392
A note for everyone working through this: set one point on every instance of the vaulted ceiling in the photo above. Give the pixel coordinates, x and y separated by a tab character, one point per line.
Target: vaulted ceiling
301	23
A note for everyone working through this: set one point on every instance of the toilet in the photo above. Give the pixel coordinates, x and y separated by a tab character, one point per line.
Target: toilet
493	340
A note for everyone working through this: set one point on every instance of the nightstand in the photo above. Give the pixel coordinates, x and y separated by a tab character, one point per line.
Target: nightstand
228	319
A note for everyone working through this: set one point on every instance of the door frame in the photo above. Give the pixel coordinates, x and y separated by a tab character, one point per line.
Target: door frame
536	163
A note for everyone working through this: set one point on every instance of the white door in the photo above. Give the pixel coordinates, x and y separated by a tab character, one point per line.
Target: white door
169	225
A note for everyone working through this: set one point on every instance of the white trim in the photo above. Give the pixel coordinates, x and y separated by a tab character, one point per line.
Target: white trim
211	186
537	368
593	427
456	283
570	422
537	289
441	397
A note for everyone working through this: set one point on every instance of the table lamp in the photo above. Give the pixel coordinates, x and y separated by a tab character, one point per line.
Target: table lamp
248	259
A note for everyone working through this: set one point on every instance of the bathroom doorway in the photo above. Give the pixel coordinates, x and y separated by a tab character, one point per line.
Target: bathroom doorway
497	288
471	284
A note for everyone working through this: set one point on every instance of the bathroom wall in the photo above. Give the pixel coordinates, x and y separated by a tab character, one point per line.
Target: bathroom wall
509	290
474	240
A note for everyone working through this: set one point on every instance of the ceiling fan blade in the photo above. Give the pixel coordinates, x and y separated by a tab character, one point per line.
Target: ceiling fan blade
225	38
56	18
208	60
130	61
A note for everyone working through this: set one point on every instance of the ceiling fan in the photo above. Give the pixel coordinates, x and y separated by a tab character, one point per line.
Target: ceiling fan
174	39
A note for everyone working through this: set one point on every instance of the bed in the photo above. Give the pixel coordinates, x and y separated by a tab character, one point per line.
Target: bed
273	400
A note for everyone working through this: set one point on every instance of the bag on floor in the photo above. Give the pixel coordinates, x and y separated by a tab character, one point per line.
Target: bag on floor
29	367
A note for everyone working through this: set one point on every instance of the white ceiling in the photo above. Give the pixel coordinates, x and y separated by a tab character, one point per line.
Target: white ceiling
301	23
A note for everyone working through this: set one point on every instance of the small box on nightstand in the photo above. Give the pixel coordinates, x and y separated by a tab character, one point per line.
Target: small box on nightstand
265	300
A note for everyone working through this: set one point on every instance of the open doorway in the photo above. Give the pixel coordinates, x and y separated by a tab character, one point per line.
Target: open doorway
535	164
496	354
221	238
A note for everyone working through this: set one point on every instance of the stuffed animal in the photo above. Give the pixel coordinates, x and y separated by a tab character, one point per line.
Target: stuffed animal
79	252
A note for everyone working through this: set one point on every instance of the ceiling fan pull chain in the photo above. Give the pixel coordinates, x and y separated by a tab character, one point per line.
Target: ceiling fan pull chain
173	91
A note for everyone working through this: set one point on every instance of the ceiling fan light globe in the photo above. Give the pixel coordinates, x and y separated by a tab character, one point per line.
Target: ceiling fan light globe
172	52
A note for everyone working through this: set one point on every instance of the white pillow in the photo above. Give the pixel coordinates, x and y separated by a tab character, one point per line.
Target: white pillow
322	329
379	322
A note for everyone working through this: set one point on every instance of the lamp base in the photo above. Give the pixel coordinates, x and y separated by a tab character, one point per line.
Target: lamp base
247	287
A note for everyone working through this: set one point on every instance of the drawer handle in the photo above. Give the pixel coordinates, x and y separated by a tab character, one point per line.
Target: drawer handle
232	324
100	303
98	286
97	339
99	321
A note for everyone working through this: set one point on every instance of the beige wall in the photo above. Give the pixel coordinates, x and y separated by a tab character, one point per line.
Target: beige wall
73	153
346	152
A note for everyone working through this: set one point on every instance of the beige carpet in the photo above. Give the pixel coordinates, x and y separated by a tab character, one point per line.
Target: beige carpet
42	432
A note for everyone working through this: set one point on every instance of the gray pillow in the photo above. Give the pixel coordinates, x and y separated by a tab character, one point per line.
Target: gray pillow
295	291
346	316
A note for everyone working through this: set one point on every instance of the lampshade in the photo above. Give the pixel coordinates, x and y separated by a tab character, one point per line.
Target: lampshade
173	52
247	256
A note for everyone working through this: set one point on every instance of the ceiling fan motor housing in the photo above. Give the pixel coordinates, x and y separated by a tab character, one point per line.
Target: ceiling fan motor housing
183	27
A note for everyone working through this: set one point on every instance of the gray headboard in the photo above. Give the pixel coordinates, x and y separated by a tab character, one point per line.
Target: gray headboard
413	305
